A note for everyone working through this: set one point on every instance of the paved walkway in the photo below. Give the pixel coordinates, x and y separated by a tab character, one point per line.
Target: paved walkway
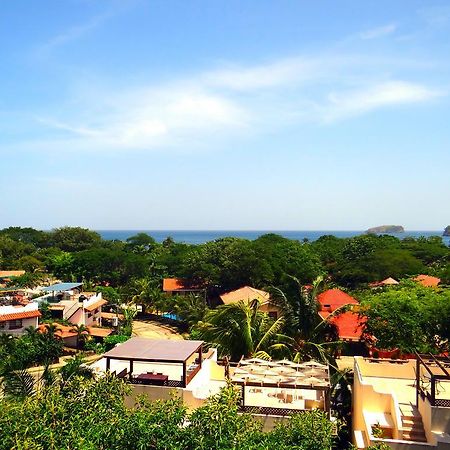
154	330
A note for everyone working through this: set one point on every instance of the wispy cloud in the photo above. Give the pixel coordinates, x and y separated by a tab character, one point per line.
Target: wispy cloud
378	32
268	75
233	100
146	118
71	34
346	104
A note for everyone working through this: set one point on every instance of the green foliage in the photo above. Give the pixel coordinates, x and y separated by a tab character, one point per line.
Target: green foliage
409	317
74	239
27	280
83	414
33	348
113	340
110	294
189	309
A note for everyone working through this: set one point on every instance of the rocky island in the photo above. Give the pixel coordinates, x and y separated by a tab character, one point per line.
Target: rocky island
446	231
386	229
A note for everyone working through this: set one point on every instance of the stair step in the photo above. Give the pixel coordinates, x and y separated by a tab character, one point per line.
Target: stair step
411	422
418	437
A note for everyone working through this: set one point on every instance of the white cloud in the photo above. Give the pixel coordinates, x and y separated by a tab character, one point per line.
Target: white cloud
345	104
210	107
378	32
262	76
145	118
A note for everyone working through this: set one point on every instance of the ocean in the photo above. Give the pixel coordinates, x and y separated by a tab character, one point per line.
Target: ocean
202	236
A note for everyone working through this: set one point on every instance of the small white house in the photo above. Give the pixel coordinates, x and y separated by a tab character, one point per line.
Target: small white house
15	319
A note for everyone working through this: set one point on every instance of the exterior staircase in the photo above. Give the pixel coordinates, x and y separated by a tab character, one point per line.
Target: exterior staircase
412	424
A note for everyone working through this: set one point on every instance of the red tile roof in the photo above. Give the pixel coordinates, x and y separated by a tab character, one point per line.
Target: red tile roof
333	299
427	280
246	294
350	326
19	315
178	284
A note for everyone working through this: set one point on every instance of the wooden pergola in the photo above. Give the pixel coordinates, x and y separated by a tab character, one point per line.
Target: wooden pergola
430	371
162	351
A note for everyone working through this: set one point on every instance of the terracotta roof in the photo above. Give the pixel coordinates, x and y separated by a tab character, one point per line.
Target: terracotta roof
63	331
19	315
333	299
96	305
57	307
350	326
107	315
427	280
245	293
11	273
99	332
178	284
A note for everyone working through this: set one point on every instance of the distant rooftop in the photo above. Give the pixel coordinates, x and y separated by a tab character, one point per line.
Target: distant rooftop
246	293
178	284
62	287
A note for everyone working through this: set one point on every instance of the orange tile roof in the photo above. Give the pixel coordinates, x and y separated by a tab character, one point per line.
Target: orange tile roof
245	293
178	284
99	332
19	315
349	324
63	331
333	299
96	305
427	280
11	273
107	315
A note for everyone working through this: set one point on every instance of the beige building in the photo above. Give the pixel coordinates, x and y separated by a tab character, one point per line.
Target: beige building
404	403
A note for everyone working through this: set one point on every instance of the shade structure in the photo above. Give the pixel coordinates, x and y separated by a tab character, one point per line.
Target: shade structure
285	373
313	364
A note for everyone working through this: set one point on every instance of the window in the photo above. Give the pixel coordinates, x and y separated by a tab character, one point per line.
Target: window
2	325
15	324
273	315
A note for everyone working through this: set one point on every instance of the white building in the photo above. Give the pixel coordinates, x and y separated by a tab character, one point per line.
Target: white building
14	319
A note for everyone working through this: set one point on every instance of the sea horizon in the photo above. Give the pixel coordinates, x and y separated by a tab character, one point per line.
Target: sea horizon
202	236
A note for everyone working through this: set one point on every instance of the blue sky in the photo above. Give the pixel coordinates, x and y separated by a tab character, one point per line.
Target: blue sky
225	114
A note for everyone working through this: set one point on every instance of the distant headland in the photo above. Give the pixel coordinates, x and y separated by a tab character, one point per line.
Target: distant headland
446	231
386	229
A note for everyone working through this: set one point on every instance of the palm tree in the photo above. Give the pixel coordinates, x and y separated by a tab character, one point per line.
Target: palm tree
310	336
241	330
82	334
143	291
129	313
75	367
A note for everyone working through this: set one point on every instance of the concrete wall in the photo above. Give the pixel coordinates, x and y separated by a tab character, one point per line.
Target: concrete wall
399	370
77	318
366	399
